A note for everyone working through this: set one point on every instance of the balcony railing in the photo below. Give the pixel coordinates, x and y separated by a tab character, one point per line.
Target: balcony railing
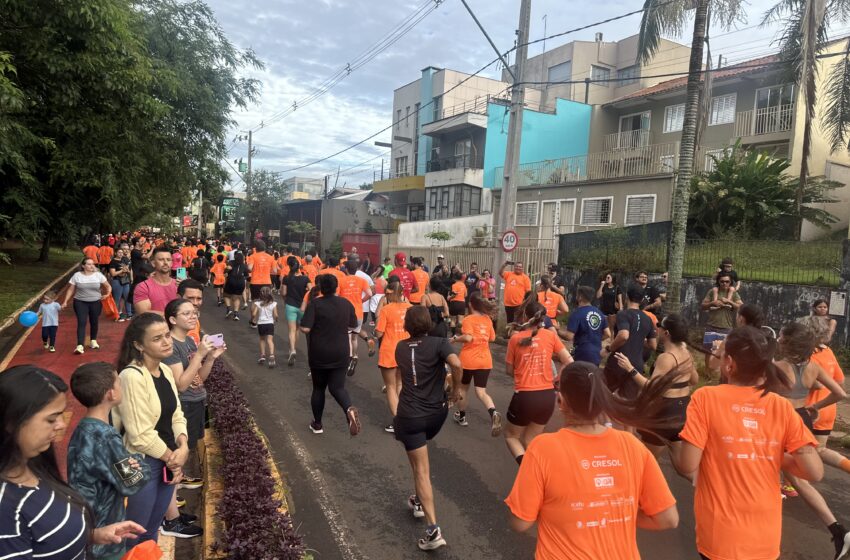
465	161
477	105
626	140
764	121
613	164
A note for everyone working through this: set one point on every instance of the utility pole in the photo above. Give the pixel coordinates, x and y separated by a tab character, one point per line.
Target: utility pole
509	183
200	213
248	189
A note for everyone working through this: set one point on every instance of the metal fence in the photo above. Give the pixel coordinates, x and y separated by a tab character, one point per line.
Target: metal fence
536	260
646	248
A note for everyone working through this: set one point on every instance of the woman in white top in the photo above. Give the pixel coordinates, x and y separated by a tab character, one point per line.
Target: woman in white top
264	315
87	287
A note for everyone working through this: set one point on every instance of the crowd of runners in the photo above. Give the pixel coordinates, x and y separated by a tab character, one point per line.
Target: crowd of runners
621	373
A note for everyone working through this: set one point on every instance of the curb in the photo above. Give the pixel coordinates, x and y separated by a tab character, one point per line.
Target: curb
10	319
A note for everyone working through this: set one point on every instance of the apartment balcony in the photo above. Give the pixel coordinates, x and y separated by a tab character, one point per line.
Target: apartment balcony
655	159
455	170
626	140
765	125
404	181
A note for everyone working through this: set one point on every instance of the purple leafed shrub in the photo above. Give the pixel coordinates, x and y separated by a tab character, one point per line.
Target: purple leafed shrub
255	528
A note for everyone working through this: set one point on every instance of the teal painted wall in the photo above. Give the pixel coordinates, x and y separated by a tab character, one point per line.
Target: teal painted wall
544	136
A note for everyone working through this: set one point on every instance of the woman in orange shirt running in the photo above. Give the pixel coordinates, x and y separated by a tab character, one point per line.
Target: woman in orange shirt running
390	330
588	486
552	301
738	436
529	362
476	335
457	301
219	277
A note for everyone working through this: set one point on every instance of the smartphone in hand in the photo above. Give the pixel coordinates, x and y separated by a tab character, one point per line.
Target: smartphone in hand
217	340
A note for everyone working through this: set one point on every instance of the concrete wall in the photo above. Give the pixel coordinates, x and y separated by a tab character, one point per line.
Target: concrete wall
350	216
449	177
544	136
412	234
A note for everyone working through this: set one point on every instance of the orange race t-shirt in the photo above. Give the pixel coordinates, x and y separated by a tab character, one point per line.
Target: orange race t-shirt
585	492
743	436
218	271
261	273
825	358
422	280
335	271
550	300
104	254
311	271
533	363
476	354
459	291
90	251
352	288
516	286
282	267
189	254
391	323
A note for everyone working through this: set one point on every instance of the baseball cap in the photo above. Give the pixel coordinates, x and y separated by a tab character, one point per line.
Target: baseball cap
440	257
400	257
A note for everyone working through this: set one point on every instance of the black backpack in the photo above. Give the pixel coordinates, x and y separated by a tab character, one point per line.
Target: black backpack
200	270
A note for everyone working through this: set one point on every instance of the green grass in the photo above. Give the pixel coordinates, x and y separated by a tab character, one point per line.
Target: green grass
24	278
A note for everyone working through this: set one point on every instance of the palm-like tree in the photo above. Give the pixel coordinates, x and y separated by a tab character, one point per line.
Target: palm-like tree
669	17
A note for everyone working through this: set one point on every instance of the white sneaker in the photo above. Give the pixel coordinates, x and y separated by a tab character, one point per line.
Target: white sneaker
94	345
79	349
415	506
433	540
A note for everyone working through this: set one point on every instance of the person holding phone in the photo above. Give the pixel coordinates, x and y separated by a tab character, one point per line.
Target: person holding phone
151	418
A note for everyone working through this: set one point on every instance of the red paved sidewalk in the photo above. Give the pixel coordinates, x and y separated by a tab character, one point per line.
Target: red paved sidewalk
63	362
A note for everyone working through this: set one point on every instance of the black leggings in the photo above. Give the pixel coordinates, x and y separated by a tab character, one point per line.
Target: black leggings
334	381
90	310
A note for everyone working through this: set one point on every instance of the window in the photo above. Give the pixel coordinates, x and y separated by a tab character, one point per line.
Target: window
398	118
640	209
668	164
526	214
709	160
416	213
596	211
452	202
407	117
561	72
401	166
722	109
628	75
599	73
438	108
674	116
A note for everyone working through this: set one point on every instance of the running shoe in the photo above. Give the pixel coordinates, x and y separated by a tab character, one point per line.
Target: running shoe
188	518
353	421
180	502
383	389
178	529
46	345
272	362
496	424
389	428
228	315
352	365
460	418
190	483
261	360
788	490
291	361
316	428
252	324
372	345
219	303
94	345
415	506
52	349
842	546
79	349
432	540
236	316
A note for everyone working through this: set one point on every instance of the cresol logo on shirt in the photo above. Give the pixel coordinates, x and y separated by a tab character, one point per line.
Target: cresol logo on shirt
594	320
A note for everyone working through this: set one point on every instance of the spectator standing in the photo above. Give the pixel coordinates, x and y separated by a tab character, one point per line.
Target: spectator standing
472	280
820	308
87	288
441	269
517	285
49	311
722	303
657	295
120	278
610	298
154	293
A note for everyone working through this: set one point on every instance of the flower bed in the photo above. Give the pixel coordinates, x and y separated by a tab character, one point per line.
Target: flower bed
255	525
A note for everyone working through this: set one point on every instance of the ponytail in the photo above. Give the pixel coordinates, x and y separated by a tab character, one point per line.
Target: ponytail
533	313
481	305
753	354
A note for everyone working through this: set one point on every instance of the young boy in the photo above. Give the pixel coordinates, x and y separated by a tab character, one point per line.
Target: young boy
99	467
49	312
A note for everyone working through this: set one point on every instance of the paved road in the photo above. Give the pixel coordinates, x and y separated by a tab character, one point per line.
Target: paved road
349	494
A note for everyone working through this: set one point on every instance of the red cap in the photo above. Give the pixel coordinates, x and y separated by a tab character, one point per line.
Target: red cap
400	257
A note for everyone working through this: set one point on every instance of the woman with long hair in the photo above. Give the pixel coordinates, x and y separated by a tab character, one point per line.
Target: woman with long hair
152	418
566	472
390	331
678	361
820	308
739	435
476	335
551	300
438	308
610	299
295	286
40	515
531	349
87	288
234	286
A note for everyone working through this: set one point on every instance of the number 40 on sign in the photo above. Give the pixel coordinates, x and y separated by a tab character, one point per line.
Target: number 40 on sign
510	240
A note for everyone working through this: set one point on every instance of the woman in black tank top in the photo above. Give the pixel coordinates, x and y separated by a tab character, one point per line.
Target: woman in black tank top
438	309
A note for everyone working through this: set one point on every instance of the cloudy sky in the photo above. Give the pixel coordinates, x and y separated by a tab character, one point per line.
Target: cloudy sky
303	43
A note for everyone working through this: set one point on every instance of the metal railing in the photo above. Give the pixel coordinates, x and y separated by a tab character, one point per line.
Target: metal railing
767	120
477	105
407	171
535	260
613	164
626	140
463	161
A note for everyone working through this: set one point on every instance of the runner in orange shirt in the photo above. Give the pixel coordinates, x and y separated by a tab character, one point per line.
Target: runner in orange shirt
476	335
90	251
219	276
551	300
588	486
457	301
390	330
104	256
333	268
738	436
517	285
529	361
261	266
422	280
311	270
356	290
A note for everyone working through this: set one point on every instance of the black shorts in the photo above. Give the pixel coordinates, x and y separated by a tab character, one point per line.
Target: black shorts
510	311
531	407
232	289
821	432
480	377
807	417
195	413
255	290
620	381
457	308
415	432
266	330
674	413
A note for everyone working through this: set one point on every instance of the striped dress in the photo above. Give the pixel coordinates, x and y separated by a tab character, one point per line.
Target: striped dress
37	522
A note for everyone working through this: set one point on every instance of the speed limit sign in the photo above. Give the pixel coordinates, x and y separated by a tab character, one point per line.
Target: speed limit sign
509	241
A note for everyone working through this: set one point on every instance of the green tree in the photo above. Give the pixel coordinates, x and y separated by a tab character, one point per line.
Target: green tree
304	229
265	210
748	194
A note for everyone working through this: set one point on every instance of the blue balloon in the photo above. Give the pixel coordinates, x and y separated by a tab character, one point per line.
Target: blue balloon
28	318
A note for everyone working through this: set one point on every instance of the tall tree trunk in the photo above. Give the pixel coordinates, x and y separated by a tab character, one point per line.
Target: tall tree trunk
44	253
687	147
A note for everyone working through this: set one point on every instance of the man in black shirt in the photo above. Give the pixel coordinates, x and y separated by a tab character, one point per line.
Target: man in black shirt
635	332
471	280
657	294
327	322
558	283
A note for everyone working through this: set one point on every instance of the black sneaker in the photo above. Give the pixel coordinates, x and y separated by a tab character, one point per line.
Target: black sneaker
842	546
291	361
352	365
178	529
433	540
390	429
316	428
353	421
188	518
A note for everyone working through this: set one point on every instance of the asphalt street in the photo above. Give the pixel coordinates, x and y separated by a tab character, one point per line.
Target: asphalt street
349	495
